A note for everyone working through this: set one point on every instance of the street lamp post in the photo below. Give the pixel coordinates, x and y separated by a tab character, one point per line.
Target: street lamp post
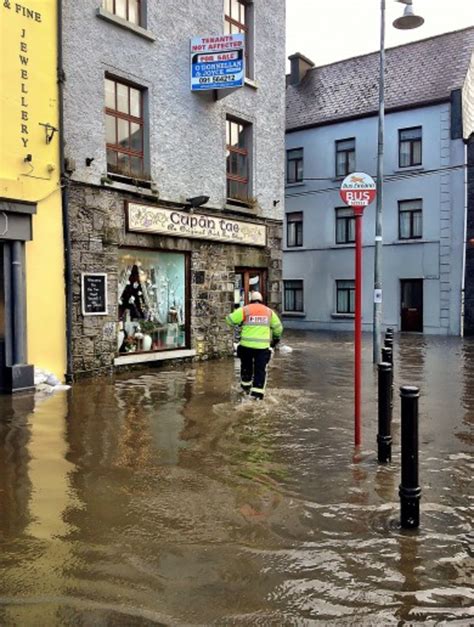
408	21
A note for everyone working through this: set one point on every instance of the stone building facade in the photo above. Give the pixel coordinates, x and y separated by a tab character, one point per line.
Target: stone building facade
209	172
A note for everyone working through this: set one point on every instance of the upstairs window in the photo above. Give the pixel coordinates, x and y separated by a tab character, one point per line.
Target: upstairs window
410	219
345	225
237	142
124	126
237	19
345	297
409	146
294	229
294	165
345	156
129	10
293	296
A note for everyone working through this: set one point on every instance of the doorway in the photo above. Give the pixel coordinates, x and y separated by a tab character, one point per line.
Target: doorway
412	305
248	280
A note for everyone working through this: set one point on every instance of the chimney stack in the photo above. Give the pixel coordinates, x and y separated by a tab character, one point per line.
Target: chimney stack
299	66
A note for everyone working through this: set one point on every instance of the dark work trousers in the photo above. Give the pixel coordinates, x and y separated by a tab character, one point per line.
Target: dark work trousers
253	369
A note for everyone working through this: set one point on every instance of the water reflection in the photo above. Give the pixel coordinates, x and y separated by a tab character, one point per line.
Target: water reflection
160	498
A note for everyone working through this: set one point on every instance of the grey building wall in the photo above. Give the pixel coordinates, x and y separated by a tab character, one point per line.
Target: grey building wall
187	130
437	258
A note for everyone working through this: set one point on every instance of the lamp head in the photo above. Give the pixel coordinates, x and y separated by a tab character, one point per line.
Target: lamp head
197	201
408	20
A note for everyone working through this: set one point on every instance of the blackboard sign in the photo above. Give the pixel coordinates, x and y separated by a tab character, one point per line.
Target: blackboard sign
94	294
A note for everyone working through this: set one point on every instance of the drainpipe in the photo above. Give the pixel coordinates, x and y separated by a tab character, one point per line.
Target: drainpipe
64	200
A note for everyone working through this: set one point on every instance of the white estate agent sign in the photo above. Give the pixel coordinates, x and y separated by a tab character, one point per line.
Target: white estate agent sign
150	219
217	62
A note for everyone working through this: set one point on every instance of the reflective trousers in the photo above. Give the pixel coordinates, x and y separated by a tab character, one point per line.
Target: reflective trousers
253	369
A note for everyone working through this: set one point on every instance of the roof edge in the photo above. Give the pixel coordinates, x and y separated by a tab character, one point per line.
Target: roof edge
371	114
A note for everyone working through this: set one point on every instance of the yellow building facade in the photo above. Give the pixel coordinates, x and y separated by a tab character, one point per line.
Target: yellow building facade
32	294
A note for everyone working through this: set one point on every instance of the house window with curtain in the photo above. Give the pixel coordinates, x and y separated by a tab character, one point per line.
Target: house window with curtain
345	297
345	225
409	147
293	296
124	124
294	165
345	156
410	219
237	142
294	229
129	10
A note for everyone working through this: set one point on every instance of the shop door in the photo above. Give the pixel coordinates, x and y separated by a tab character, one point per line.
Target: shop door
246	281
412	305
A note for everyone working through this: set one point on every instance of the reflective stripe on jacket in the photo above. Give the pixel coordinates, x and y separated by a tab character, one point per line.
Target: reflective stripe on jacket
259	323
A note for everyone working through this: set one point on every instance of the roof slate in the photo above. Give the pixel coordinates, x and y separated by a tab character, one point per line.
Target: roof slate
416	73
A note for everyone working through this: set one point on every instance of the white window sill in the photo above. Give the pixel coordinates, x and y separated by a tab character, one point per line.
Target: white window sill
251	83
142	358
130	187
297	184
294	314
119	21
342	316
410	168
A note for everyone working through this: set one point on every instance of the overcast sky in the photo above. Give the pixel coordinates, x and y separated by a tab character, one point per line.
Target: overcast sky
330	30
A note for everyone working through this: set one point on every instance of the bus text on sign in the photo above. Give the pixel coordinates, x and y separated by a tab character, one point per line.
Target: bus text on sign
358	190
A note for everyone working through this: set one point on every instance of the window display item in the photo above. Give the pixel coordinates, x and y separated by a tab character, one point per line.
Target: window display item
151	304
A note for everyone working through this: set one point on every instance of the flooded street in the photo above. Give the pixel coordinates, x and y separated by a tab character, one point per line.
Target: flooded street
158	497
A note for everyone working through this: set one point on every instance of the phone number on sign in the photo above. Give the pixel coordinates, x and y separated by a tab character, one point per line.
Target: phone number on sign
218	79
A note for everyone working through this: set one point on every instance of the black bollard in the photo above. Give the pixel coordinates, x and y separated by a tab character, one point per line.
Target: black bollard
410	491
384	436
389	342
387	355
389	332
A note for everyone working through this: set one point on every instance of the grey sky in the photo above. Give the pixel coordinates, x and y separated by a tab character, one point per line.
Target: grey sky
330	30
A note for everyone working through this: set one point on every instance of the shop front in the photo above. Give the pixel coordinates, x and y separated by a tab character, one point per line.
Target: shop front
15	230
156	282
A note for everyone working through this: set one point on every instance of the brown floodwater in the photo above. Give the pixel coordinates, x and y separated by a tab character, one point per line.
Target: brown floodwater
160	498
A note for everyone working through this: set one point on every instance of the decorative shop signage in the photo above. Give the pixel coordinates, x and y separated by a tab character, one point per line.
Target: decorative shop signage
22	58
94	293
149	219
217	62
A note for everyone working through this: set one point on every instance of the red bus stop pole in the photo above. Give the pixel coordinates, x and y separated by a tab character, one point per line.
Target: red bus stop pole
358	326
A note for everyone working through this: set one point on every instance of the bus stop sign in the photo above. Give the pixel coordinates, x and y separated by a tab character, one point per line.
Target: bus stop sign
358	190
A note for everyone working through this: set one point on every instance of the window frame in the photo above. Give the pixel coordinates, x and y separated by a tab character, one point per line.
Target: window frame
187	297
347	168
128	117
296	179
245	27
243	152
346	219
140	11
412	221
298	239
348	290
293	291
411	142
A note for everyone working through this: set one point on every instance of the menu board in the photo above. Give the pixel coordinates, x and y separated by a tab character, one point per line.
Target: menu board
94	294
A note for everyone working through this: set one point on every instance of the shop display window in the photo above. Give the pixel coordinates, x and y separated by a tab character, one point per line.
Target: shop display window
151	301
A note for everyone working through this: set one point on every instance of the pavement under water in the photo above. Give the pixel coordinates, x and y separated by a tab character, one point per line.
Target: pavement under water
161	498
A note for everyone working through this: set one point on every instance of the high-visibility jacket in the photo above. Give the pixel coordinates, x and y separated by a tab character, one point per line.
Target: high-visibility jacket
259	324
